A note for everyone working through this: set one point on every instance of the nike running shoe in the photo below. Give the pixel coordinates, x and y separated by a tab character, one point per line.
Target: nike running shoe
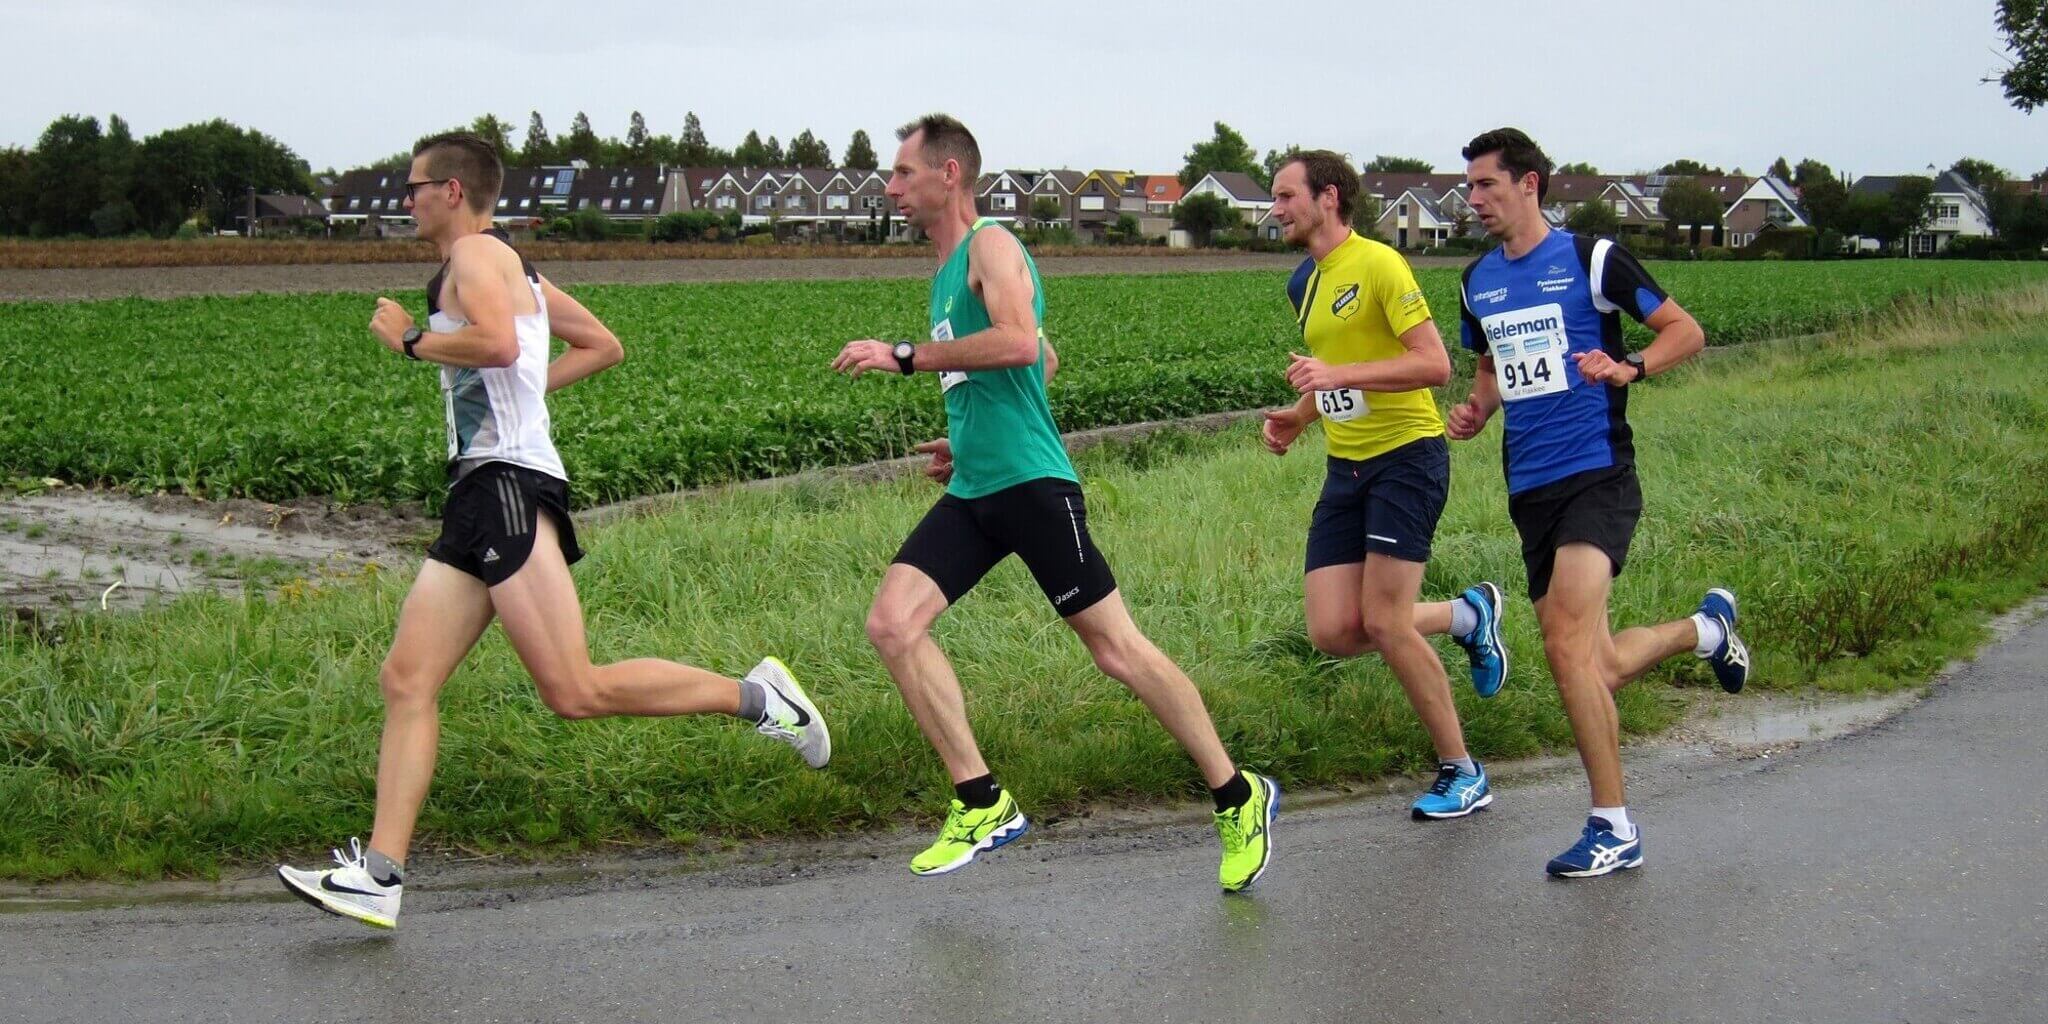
1598	852
1483	647
1731	659
1246	832
1454	794
348	890
789	715
970	831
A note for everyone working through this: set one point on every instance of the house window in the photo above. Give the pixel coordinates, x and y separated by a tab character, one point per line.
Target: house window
615	181
1091	202
549	182
646	204
1002	201
629	181
605	203
1401	211
793	203
384	181
723	202
837	202
871	202
533	181
704	185
763	202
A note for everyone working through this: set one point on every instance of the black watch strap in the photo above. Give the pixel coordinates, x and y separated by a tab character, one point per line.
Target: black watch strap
906	355
1635	359
412	337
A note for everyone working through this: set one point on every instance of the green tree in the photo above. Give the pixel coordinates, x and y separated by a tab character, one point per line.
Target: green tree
17	190
1594	218
582	143
1686	202
208	169
860	153
1911	207
1810	171
1225	151
115	214
751	152
1205	214
1826	201
1983	174
499	135
1780	170
1046	210
67	163
693	149
639	147
1276	159
1384	164
1365	216
1579	167
539	149
2024	24
776	157
1689	168
806	150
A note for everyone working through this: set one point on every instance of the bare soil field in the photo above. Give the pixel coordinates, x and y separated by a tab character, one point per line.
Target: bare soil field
80	283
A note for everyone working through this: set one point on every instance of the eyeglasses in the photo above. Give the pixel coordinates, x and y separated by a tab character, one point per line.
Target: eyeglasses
412	187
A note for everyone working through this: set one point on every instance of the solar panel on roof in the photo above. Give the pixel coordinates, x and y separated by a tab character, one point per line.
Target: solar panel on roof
563	180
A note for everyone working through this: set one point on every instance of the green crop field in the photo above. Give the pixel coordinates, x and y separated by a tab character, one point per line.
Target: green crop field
277	397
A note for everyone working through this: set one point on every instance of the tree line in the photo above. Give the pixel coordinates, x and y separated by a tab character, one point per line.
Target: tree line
690	147
83	178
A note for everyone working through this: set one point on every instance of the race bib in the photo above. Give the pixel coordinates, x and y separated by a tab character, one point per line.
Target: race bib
948	379
1341	406
1529	350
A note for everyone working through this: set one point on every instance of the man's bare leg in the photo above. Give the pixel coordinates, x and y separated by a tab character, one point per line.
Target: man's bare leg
1388	590
1127	656
899	625
1332	604
443	615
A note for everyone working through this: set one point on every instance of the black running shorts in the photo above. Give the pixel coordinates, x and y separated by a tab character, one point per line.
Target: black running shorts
1041	521
1388	505
1598	507
487	527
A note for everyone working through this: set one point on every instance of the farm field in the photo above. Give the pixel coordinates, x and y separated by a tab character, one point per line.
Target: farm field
280	397
1868	503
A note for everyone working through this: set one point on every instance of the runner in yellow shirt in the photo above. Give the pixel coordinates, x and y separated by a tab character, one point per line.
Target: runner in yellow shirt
1374	353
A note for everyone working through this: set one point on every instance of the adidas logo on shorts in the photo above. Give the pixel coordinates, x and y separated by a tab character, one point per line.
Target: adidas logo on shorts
490	555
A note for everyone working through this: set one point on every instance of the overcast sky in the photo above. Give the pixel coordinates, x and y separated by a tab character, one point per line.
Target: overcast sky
1883	86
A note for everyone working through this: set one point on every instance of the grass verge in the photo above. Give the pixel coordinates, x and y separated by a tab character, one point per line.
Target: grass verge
1871	497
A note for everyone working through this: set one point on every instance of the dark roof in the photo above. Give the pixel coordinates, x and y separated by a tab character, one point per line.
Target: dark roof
289	206
1241	186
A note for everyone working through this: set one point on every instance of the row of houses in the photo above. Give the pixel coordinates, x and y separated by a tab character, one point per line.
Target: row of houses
1417	210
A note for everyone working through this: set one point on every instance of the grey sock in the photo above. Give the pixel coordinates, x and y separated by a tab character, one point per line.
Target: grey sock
753	701
1465	764
383	869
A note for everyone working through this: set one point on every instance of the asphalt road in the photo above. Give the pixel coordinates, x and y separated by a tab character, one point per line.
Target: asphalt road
1898	874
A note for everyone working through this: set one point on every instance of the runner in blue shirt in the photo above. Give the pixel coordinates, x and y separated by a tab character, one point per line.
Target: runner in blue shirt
1543	313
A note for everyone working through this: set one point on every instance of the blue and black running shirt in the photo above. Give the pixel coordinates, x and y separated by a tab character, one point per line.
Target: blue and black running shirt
1532	314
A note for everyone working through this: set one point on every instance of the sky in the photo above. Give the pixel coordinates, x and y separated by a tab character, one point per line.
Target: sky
1888	87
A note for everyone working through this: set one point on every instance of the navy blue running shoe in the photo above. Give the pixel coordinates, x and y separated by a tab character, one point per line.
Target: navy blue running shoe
1731	659
1598	852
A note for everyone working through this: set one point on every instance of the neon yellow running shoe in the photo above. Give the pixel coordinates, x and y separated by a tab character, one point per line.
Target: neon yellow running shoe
1245	831
968	831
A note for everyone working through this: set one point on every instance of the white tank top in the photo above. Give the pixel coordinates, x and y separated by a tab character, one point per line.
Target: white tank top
500	413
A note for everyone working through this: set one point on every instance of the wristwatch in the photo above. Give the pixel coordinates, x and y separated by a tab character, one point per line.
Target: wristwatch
410	338
1635	359
905	353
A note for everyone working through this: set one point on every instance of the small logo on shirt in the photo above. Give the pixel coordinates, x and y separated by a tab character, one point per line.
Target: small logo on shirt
1494	295
1554	270
1556	284
1346	303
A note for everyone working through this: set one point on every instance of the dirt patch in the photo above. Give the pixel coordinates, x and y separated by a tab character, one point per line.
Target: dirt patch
92	550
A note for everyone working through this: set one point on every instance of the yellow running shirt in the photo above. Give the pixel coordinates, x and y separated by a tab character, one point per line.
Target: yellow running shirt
1353	306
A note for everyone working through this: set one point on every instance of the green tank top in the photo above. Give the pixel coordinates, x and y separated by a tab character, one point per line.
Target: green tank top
998	420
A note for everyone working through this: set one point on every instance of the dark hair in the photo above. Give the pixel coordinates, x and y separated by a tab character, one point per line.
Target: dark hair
1518	153
467	158
945	138
1326	169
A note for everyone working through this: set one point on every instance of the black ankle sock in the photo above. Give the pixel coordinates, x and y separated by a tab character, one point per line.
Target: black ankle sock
1233	793
978	793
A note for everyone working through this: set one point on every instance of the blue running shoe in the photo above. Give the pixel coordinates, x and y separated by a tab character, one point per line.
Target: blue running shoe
1598	852
1731	659
1482	646
1454	794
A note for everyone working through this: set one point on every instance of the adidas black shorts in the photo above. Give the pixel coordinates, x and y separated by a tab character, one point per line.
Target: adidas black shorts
487	527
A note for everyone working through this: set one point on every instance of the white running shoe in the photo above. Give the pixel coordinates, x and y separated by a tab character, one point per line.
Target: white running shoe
348	890
790	716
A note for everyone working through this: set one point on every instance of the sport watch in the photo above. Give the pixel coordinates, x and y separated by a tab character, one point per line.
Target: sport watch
1635	359
410	338
905	353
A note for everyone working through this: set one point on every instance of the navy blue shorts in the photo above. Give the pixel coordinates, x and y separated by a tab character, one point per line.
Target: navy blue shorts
1388	505
1598	507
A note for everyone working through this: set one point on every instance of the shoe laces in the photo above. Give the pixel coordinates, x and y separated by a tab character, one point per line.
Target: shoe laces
355	857
957	827
768	726
1446	775
1230	830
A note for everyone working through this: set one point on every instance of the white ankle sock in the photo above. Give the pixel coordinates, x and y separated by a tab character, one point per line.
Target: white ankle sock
1710	632
1465	764
1617	822
1464	618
